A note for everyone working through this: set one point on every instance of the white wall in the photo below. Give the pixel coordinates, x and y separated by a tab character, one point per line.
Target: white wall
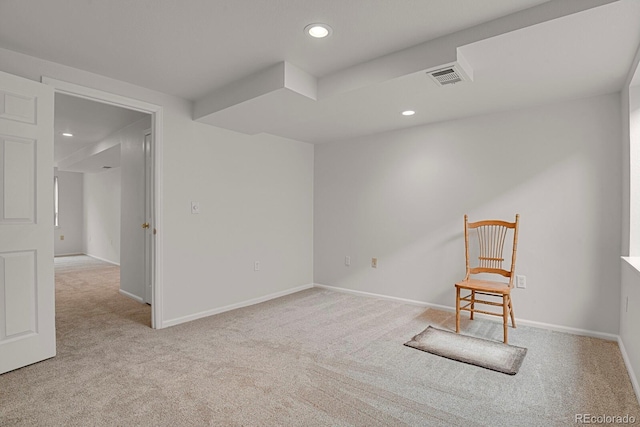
132	235
256	204
102	215
401	197
255	193
69	214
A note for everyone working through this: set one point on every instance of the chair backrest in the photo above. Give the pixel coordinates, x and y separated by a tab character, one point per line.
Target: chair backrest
491	237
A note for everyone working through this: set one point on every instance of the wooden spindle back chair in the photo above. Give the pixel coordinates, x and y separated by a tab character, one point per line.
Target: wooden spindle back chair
490	243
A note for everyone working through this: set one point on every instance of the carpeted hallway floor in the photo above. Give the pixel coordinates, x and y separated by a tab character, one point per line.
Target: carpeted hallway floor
312	358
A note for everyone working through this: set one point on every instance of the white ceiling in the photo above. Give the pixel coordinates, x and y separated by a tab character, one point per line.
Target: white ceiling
188	48
90	122
357	81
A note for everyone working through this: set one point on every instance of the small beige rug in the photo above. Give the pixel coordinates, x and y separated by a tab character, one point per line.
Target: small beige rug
492	355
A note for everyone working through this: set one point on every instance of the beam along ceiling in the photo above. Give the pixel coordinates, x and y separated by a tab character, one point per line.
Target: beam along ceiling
248	66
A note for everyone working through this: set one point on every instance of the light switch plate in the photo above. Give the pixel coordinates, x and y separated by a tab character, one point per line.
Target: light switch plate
195	207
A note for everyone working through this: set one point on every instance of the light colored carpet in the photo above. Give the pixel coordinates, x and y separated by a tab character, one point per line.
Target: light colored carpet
312	358
476	351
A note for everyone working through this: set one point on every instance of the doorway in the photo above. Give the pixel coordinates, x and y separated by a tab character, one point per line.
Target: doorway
151	184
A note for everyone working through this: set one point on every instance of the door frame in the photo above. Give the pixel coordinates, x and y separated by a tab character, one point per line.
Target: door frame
156	113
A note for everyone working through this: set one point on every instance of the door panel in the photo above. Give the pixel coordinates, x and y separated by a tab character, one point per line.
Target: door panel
17	107
17	284
148	215
27	291
18	179
133	226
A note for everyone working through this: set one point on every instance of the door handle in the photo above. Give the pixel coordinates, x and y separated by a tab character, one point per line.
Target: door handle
145	225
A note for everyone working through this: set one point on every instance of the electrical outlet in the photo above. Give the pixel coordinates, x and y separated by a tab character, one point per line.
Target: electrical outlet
521	282
195	207
374	262
347	261
256	266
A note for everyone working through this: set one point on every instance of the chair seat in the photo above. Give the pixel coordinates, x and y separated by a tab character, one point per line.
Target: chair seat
485	286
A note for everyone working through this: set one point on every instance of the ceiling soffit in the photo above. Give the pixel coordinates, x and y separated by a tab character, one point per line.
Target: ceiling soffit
270	100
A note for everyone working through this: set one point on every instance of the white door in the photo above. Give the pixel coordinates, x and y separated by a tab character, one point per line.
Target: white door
27	290
134	225
148	215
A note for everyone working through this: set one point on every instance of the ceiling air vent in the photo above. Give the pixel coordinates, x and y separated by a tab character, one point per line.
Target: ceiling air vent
450	74
446	77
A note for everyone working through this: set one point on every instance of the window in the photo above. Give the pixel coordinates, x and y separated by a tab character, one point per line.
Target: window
55	202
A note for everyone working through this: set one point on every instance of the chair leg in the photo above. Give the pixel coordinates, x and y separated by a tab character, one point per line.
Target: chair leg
505	316
513	316
473	303
457	309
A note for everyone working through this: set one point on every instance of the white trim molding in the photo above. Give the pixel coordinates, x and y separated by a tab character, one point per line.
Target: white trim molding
131	296
385	297
230	307
102	259
632	375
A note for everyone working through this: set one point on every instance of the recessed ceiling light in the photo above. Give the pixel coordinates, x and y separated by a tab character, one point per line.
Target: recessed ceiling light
318	30
408	113
67	134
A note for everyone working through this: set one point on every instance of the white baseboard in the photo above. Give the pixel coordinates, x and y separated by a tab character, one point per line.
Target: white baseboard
132	296
179	320
103	259
69	254
385	297
557	328
632	375
569	330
